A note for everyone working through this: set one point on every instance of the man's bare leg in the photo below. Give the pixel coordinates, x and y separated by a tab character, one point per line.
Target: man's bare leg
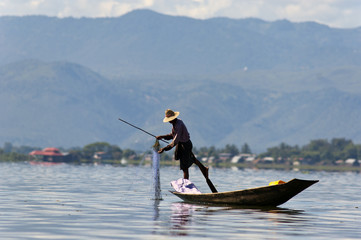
185	173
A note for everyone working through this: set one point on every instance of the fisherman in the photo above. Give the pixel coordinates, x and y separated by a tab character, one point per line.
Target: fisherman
181	140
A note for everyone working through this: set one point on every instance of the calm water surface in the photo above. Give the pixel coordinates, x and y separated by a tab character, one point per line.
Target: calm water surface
115	202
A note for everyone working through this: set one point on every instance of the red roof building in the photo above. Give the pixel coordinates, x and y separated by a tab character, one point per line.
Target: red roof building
48	154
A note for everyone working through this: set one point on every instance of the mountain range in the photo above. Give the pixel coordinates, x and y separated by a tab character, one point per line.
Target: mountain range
65	82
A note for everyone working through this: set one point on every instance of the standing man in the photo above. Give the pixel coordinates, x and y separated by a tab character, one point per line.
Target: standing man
183	144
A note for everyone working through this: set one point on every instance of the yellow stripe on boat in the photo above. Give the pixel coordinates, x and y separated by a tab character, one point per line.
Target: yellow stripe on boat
276	182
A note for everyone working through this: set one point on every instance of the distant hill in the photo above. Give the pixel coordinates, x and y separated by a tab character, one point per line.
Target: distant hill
144	42
65	104
52	104
65	82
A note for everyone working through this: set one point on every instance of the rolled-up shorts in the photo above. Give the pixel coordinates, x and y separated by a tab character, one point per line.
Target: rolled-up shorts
183	152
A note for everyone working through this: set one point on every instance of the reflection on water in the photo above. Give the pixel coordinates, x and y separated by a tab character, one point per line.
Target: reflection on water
181	216
182	212
156	209
108	202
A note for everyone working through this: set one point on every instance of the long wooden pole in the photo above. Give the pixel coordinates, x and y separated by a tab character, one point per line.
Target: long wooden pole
141	129
204	171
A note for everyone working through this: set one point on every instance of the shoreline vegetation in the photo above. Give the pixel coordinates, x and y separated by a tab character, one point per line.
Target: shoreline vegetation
339	154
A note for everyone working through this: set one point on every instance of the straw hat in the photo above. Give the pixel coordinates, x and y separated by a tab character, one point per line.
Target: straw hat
170	115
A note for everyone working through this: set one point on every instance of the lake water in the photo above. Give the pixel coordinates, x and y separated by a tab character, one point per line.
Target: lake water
115	202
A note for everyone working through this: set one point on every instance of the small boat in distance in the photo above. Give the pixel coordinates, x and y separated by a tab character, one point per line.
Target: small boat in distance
270	196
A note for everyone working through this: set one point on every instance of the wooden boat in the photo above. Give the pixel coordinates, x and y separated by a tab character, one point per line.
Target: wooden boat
273	195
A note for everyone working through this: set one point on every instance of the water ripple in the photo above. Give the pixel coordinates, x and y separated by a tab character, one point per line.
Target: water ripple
114	202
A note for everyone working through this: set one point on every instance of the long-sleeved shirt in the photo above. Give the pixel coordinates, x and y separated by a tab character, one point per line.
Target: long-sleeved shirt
179	133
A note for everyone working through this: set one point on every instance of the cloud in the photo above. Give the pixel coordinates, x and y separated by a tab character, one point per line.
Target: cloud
100	8
201	8
336	13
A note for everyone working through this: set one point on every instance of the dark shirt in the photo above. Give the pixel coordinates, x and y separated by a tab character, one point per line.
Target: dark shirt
179	133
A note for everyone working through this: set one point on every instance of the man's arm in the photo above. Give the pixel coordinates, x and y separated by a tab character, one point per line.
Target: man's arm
166	137
166	148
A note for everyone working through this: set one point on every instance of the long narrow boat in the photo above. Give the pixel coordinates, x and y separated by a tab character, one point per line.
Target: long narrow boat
273	195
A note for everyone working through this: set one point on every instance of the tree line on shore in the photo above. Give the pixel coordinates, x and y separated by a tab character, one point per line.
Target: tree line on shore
320	151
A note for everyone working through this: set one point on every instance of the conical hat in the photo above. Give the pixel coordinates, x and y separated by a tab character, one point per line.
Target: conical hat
170	115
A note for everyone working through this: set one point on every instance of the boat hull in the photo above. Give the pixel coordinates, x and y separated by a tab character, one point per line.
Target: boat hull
274	195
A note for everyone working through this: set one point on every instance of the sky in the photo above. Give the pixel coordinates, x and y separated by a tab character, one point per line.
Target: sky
334	13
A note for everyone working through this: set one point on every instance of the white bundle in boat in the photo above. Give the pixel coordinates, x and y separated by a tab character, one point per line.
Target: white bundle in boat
184	186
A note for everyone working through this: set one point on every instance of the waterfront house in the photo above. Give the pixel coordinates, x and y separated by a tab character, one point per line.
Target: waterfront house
50	154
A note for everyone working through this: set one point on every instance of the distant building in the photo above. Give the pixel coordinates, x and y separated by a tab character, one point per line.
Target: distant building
352	162
224	156
339	162
268	160
148	157
210	159
102	156
243	157
48	155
